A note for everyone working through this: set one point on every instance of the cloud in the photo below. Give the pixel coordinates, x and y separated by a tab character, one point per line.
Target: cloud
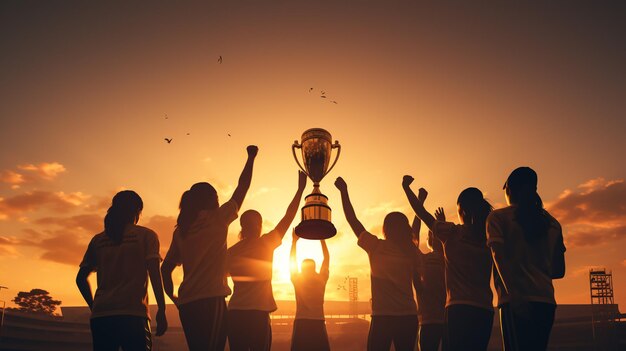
581	271
592	214
58	202
11	177
89	222
64	247
260	192
579	236
164	227
382	209
45	170
61	246
9	244
31	174
64	239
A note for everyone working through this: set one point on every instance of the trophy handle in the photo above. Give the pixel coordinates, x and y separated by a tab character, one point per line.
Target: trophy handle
295	146
338	147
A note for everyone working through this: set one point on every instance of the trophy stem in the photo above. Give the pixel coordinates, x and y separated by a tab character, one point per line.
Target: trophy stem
316	188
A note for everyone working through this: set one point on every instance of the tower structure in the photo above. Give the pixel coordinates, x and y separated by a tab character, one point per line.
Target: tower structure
602	308
353	296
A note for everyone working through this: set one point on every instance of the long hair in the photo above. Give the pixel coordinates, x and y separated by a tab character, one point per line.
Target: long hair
397	230
476	209
125	209
529	212
201	196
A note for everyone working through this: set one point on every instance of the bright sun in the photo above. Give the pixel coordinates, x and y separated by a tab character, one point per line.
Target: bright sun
305	249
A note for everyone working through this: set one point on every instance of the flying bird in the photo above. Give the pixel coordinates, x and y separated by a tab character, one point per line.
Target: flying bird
310	90
323	97
166	116
188	134
169	141
323	92
228	134
219	60
334	102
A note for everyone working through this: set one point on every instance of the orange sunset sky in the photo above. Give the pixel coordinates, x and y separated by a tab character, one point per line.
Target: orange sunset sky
456	95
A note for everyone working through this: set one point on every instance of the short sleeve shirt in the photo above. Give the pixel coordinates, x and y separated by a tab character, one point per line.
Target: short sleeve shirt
121	271
250	267
202	253
468	266
531	265
392	277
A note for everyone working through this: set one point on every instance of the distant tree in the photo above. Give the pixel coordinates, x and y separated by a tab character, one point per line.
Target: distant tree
36	301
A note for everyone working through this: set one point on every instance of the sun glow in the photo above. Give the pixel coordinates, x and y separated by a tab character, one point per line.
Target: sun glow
305	249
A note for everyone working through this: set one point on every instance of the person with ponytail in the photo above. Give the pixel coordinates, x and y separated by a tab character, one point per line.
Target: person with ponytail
468	267
528	251
250	266
199	245
394	263
124	256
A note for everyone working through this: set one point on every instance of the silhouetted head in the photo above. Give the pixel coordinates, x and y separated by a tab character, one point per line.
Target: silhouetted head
201	196
473	210
434	243
308	266
125	209
251	224
396	228
520	191
520	186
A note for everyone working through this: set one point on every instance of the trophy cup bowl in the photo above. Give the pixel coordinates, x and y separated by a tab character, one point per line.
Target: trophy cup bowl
316	146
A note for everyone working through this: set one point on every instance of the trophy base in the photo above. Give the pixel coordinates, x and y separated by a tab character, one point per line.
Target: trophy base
315	229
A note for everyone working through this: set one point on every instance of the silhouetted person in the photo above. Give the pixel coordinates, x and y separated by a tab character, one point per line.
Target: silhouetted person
528	250
309	326
469	309
431	298
250	266
124	255
199	244
394	264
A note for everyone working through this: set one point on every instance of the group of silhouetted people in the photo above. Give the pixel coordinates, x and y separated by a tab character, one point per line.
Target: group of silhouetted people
520	246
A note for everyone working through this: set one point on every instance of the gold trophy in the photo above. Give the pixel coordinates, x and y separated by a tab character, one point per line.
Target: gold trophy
316	148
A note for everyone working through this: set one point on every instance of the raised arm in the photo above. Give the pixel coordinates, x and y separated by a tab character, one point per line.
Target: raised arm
84	286
246	177
324	270
293	263
415	231
284	223
348	210
157	287
417	203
